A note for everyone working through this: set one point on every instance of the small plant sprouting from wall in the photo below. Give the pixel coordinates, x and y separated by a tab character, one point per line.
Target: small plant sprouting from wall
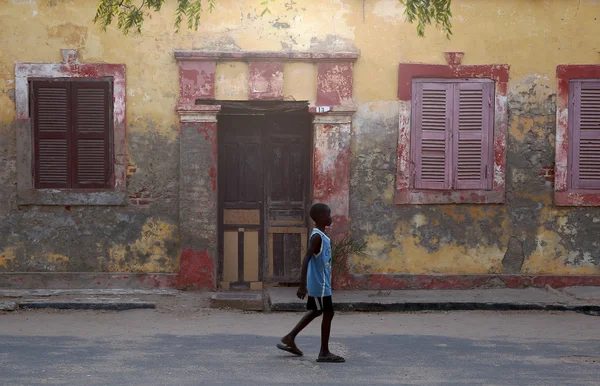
342	249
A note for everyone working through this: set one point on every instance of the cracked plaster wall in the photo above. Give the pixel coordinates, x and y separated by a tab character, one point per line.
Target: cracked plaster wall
527	234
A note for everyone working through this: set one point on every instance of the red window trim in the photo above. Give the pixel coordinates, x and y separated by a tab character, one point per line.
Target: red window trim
405	194
563	194
451	80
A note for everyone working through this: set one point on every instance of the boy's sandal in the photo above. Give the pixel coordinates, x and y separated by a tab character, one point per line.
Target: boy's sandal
331	359
291	350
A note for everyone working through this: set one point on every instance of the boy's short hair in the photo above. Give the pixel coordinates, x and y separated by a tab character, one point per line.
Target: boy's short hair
317	209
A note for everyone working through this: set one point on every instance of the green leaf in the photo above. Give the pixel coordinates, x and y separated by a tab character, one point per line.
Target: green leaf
348	246
427	13
265	5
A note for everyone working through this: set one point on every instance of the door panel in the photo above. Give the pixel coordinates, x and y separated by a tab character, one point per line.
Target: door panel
241	217
286	250
230	256
241	191
241	161
287	194
298	172
252	192
230	159
251	256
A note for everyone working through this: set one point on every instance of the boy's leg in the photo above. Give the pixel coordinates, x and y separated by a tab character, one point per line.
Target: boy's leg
324	354
325	332
289	341
305	321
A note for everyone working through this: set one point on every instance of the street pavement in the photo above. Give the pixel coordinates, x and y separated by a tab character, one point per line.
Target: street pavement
189	344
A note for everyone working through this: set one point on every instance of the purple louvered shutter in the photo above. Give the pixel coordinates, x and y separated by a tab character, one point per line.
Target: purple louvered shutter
51	134
432	111
91	134
584	137
472	134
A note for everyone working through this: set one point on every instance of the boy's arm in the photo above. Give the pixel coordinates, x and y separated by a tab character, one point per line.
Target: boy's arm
313	248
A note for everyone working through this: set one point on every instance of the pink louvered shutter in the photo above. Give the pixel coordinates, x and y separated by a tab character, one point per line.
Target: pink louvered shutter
432	109
472	135
585	135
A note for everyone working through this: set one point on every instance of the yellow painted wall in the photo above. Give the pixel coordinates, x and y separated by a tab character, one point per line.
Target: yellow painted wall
532	36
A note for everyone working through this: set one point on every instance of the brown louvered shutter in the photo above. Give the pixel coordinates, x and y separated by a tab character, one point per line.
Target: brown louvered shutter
91	134
52	134
472	133
584	137
432	111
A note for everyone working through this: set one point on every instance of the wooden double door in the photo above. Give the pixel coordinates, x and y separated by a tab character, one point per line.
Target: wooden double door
264	190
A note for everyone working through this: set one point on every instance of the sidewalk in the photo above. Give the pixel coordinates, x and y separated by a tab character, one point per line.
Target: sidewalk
282	299
82	299
583	299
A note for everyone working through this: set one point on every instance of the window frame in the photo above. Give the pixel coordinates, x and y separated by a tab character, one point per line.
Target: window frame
406	194
564	193
108	82
115	193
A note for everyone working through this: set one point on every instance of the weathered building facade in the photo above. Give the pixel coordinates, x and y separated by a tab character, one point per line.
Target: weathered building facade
190	160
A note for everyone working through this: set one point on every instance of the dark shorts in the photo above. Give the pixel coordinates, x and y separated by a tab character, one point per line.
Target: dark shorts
323	304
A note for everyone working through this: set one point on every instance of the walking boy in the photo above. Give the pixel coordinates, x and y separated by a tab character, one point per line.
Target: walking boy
316	281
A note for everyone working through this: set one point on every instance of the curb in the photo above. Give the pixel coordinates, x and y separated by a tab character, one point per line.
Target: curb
441	306
8	306
238	301
91	305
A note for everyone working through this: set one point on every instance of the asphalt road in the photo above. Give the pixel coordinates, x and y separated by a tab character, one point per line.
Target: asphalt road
202	347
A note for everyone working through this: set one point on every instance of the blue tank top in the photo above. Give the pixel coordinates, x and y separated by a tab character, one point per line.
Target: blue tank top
319	268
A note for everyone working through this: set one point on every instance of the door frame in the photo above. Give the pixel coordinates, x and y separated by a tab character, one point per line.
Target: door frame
265	108
332	107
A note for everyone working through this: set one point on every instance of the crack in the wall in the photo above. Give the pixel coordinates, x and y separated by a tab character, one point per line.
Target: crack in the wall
514	256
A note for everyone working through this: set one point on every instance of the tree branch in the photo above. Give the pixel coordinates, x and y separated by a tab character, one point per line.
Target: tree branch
129	16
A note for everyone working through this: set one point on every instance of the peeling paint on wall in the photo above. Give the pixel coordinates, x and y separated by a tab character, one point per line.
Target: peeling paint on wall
70	34
149	253
47	262
300	82
232	81
6	257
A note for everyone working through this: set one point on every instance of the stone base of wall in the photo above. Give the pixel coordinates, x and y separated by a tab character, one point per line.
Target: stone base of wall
86	280
90	280
439	282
